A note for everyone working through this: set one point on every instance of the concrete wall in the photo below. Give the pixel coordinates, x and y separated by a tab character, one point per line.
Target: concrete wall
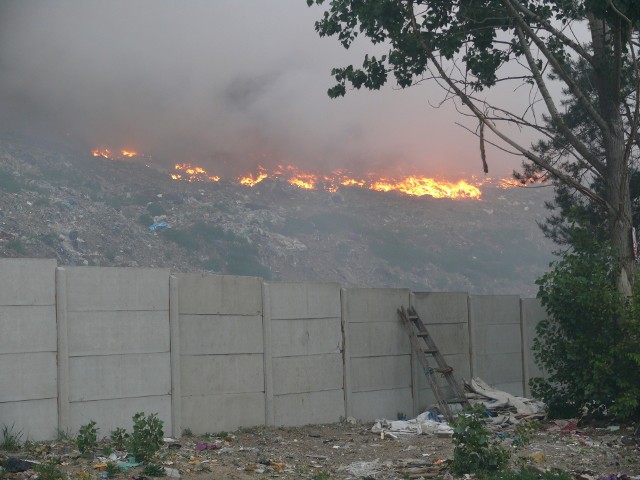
531	313
28	346
494	324
304	357
212	352
378	371
115	346
221	352
446	316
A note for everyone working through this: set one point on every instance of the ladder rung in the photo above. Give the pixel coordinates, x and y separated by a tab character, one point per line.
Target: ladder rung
457	400
422	334
426	350
413	317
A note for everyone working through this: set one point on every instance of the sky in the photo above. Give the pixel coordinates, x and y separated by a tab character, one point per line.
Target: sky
226	84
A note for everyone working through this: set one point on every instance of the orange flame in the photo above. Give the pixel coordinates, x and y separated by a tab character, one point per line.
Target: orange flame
128	153
193	174
252	180
101	152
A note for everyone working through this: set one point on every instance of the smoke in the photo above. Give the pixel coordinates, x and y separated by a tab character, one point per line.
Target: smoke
222	83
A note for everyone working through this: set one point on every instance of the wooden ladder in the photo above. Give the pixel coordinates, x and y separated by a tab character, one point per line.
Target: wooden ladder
423	345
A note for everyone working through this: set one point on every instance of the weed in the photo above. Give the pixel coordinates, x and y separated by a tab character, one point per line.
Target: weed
112	470
17	246
110	255
222	434
87	439
64	435
187	432
49	471
523	433
49	239
402	416
146	438
119	438
153	470
107	450
321	476
156	209
10	438
145	219
527	474
475	451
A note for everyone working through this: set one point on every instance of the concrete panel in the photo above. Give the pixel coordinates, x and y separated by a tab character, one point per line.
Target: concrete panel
307	374
374	304
532	313
107	289
304	300
37	419
369	406
27	281
214	413
305	337
500	368
219	294
220	334
380	373
442	307
451	337
119	376
494	309
378	338
28	329
309	408
28	376
118	332
111	414
213	374
495	339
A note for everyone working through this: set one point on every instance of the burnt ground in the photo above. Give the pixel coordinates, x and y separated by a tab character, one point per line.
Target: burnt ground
346	451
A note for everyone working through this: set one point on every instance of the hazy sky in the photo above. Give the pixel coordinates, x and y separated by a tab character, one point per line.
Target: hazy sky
224	83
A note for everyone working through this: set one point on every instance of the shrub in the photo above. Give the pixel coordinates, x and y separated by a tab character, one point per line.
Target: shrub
145	219
17	246
119	438
146	437
10	438
475	451
87	439
588	345
49	471
156	209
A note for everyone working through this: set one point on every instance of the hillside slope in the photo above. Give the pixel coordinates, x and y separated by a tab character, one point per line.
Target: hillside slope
61	203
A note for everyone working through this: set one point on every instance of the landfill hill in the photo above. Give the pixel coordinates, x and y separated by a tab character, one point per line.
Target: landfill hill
60	202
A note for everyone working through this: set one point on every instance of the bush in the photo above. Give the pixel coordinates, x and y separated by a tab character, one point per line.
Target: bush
87	439
146	437
588	345
156	209
475	451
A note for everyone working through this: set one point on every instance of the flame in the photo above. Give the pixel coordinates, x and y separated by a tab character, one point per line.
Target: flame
128	153
252	180
193	174
101	152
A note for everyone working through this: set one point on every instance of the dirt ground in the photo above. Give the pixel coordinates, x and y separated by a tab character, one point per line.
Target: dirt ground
350	451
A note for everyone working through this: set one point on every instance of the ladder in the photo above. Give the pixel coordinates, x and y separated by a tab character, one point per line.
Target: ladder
423	345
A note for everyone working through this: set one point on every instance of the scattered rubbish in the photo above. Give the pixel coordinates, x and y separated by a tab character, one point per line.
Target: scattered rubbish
158	226
564	426
364	469
15	465
206	446
72	201
351	420
536	457
129	464
421	425
172	472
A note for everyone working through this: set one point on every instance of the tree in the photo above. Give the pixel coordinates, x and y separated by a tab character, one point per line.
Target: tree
468	46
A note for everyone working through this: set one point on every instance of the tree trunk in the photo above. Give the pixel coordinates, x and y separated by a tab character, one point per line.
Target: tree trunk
607	55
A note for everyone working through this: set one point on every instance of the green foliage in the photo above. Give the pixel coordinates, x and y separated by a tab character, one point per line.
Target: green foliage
475	450
49	239
112	470
10	438
87	439
146	437
182	237
119	438
153	470
49	471
17	246
587	345
145	219
187	432
155	209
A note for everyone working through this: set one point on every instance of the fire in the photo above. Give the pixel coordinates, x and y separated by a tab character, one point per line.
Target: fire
252	180
102	152
192	174
128	153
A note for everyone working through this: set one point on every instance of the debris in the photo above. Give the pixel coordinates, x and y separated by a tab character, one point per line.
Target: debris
158	226
15	465
364	469
421	425
172	472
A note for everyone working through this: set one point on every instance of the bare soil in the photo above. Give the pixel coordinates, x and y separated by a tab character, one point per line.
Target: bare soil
345	451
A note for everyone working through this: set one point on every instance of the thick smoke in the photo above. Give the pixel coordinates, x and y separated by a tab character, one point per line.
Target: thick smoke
222	83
